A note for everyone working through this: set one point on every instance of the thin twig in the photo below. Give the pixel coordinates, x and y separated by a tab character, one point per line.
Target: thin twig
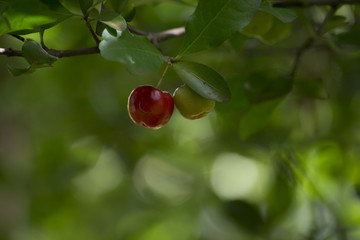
329	15
10	52
307	44
93	34
161	36
308	3
42	43
163	75
137	31
299	54
57	53
18	37
154	37
73	52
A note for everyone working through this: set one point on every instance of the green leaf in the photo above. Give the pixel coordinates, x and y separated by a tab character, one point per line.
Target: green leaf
277	32
112	31
257	117
266	84
146	2
15	71
118	5
85	5
203	80
313	88
129	12
259	25
36	29
35	54
238	41
334	22
112	19
214	21
135	52
73	6
284	14
100	28
351	37
31	15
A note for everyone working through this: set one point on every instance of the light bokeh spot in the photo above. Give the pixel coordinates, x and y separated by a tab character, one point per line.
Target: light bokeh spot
162	179
103	177
233	176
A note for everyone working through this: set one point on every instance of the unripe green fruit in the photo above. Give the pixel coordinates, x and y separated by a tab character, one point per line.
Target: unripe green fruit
190	104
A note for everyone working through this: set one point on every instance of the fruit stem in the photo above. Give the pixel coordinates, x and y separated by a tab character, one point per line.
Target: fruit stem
164	74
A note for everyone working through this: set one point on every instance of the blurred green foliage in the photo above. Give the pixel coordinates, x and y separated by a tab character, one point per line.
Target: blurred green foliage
278	161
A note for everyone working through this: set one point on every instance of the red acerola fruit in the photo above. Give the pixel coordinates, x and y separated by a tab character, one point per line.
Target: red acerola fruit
150	107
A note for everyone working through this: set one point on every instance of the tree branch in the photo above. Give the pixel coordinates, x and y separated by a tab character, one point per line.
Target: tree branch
93	34
299	54
307	44
73	52
10	52
18	37
155	38
308	3
328	16
161	36
136	31
57	53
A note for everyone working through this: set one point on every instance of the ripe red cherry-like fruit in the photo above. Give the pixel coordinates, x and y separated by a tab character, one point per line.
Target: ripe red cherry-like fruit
150	107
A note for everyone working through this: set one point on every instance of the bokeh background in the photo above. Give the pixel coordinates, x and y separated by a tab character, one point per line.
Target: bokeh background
282	166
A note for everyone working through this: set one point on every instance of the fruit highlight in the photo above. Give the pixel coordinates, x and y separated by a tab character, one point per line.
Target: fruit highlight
150	107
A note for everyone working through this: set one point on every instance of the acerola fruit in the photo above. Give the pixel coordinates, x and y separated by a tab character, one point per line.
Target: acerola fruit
190	104
150	107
